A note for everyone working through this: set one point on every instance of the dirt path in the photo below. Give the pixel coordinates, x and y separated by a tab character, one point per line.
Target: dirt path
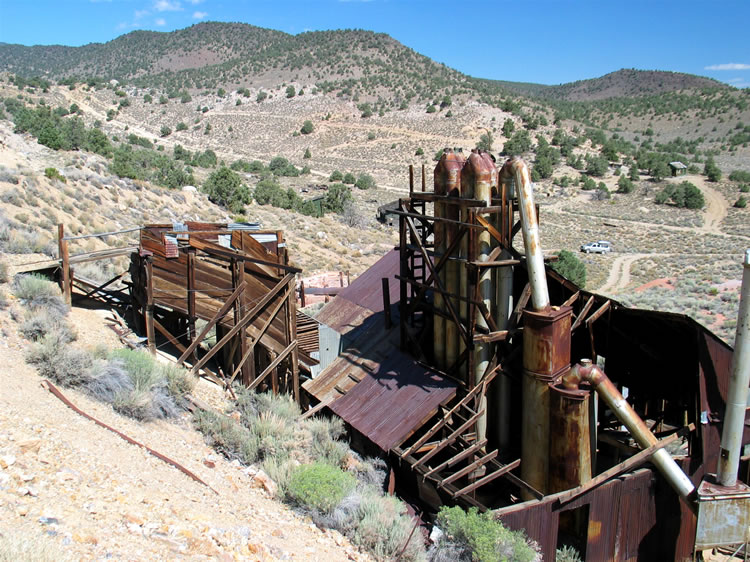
716	206
619	275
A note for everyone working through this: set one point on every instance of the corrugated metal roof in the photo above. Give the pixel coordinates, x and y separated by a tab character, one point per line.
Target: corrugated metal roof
364	297
387	405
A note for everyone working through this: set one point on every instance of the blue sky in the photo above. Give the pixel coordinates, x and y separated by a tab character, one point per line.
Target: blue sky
548	42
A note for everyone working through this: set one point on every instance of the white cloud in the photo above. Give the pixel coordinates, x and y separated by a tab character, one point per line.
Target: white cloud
728	66
195	2
160	22
167	6
141	13
199	15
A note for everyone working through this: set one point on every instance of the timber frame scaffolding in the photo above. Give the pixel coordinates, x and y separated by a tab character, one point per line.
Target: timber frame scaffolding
223	276
465	460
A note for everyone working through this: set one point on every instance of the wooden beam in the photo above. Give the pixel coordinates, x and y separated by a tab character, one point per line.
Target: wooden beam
625	466
450	439
220	251
582	314
62	246
573	298
523	300
457	458
500	335
488	478
211	323
89	294
468	468
251	351
386	290
491	229
273	365
150	336
273	293
488	263
191	295
465	400
449	488
601	310
438	268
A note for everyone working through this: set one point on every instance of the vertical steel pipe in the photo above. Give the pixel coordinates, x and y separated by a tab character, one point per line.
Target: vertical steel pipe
479	176
454	163
501	387
734	417
438	321
519	171
625	413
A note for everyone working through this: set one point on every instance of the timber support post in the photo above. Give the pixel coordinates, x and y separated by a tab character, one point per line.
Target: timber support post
191	296
150	335
66	281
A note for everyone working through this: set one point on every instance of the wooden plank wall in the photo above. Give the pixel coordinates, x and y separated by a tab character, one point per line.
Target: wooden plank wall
214	283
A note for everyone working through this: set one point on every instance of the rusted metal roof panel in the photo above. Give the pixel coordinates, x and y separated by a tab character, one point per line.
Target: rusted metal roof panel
364	297
393	400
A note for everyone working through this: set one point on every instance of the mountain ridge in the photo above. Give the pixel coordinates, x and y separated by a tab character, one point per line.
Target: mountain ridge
352	62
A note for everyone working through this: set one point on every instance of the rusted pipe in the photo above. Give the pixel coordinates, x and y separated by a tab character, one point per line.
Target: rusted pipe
734	417
479	175
517	169
452	284
663	461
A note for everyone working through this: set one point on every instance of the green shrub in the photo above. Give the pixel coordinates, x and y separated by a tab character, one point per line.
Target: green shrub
320	486
225	187
740	175
570	267
54	174
365	181
745	188
567	554
336	176
684	195
307	127
349	179
487	539
3	272
741	203
625	185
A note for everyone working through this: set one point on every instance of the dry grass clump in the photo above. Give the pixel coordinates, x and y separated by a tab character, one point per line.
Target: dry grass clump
315	470
132	381
17	547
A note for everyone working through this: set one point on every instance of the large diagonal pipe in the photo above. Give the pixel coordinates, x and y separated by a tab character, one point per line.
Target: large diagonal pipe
663	461
517	169
734	417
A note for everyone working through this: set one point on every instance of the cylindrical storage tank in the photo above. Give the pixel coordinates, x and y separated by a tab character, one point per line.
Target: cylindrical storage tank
546	357
454	162
479	176
569	438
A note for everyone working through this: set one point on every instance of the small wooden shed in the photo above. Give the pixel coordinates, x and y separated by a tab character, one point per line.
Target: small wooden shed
678	169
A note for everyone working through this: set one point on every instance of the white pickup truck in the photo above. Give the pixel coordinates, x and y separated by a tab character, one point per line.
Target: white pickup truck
600	247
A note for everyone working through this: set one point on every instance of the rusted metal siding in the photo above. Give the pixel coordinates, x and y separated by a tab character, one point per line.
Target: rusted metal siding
629	519
715	368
